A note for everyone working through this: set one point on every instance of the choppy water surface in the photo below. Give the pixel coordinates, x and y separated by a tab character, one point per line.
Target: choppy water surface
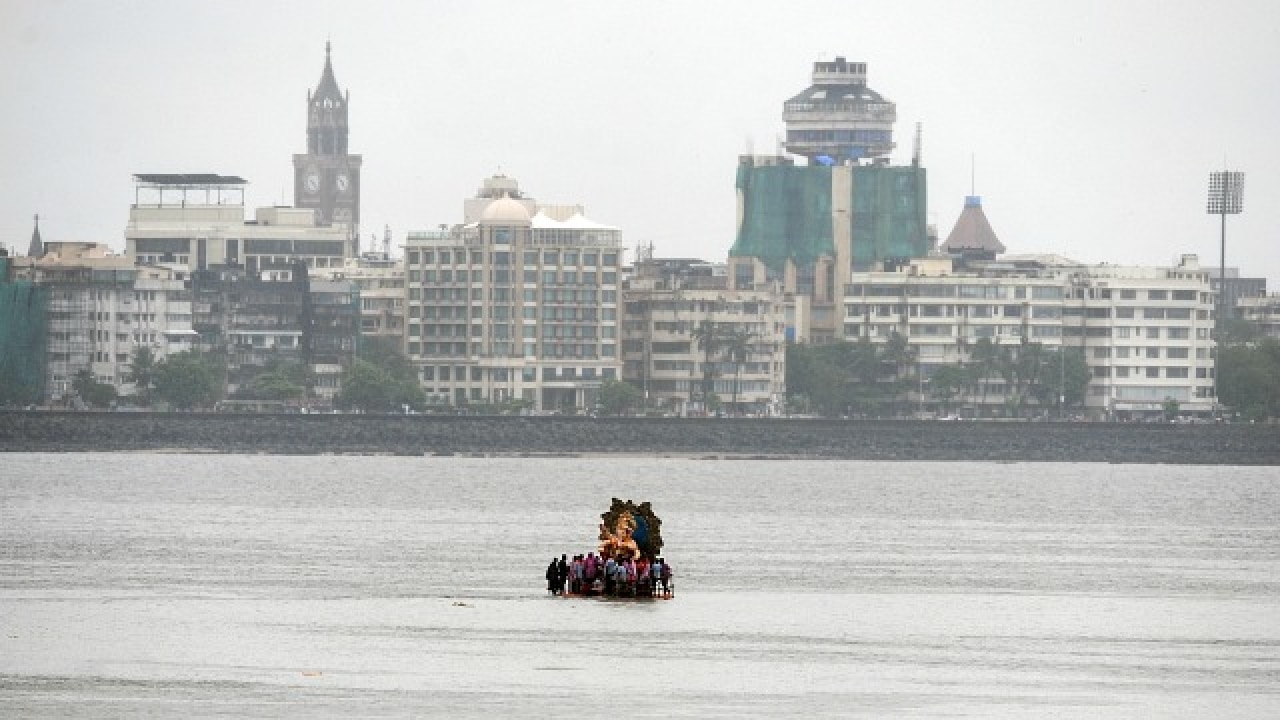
191	585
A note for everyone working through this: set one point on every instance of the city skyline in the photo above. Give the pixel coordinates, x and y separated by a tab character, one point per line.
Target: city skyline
1090	131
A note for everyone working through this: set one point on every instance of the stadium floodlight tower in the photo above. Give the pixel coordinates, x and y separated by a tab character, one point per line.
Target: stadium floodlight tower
1226	193
838	119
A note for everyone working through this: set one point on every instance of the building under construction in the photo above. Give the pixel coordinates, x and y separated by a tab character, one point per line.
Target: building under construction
844	208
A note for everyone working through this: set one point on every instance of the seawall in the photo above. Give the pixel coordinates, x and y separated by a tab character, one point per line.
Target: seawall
1222	444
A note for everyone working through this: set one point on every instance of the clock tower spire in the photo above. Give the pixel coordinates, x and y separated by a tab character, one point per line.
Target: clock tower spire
327	177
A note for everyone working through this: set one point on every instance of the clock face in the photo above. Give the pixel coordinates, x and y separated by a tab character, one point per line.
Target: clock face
343	182
313	182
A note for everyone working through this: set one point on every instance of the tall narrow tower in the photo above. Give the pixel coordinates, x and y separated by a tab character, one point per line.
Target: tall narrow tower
838	119
327	177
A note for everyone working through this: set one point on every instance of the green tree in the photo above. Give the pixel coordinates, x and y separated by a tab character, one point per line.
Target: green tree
1020	367
1061	379
397	372
946	383
617	397
983	363
92	392
275	385
142	373
367	388
738	349
1249	379
188	380
709	338
279	379
1170	407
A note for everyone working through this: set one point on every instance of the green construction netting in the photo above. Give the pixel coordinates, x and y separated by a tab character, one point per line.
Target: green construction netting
787	214
888	214
23	331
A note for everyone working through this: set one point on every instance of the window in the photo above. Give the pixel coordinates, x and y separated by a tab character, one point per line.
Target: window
1128	294
1177	373
531	257
1153	372
1152	352
1177	353
1153	333
1157	294
551	257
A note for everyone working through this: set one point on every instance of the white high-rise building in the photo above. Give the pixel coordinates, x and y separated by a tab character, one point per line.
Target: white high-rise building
1145	332
518	304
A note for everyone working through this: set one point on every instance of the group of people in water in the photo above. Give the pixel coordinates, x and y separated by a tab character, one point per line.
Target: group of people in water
594	574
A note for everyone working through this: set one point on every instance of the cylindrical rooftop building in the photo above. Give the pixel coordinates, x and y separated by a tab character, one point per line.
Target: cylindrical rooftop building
838	119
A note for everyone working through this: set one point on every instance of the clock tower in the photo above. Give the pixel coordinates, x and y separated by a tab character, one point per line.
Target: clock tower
327	177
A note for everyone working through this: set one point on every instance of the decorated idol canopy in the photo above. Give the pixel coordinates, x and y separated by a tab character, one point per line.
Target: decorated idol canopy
630	531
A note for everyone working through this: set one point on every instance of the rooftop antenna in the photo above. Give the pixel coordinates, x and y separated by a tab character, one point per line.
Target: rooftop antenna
915	152
972	175
751	146
386	241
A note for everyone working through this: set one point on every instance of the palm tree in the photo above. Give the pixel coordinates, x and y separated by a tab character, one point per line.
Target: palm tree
738	348
981	360
709	338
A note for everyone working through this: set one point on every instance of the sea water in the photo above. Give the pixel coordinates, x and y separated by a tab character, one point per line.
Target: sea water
171	585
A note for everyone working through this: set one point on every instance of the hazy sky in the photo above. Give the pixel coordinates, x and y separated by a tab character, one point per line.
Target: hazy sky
1093	125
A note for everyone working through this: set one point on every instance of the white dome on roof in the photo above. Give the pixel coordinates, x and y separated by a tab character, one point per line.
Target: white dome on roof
505	211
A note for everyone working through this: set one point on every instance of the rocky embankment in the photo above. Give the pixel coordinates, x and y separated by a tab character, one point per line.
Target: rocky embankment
446	435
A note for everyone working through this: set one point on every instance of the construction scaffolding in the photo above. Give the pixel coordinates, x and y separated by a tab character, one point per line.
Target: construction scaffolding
796	212
23	338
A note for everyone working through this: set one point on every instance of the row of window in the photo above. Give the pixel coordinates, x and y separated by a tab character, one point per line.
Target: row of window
1154	372
1040	312
501	258
504	295
588	351
464	373
1037	292
503	276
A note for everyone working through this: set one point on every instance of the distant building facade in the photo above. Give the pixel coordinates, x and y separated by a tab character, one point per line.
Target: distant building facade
277	315
1261	311
198	221
1145	332
519	303
101	309
381	284
668	305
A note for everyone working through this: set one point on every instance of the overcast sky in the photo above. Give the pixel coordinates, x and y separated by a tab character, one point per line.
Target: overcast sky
1091	127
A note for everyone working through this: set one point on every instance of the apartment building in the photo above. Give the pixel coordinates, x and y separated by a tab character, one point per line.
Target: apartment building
518	303
101	309
1145	332
683	325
